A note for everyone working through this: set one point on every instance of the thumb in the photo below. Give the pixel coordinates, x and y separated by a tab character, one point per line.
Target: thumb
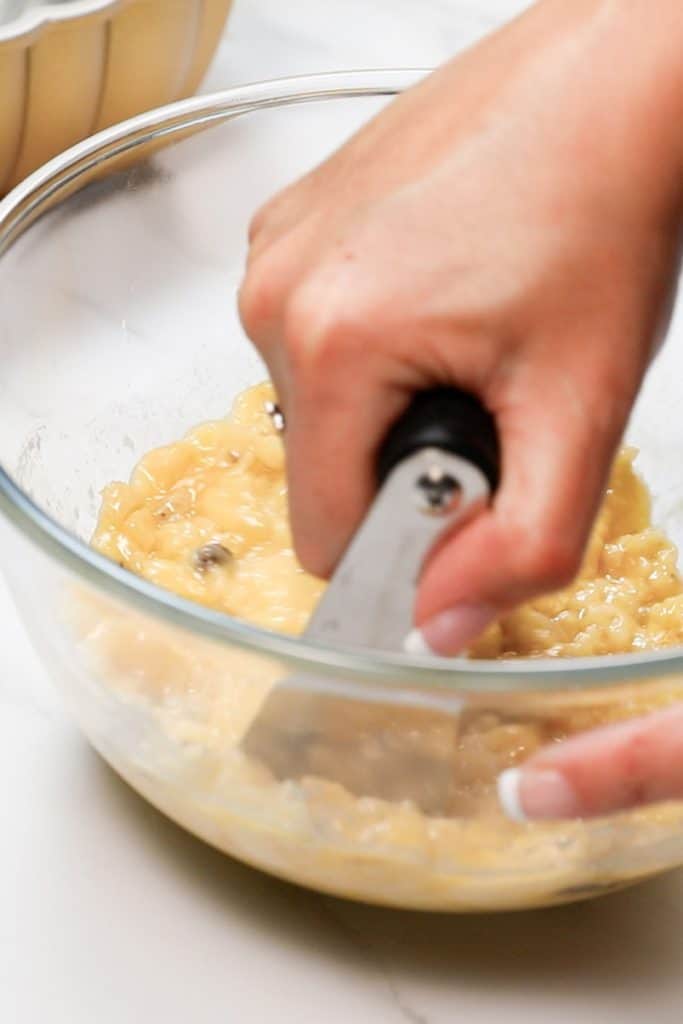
606	770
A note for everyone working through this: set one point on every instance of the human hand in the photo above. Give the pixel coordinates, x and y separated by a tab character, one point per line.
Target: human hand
611	769
510	226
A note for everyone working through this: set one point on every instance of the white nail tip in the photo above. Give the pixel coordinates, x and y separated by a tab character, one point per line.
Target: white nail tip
415	643
508	794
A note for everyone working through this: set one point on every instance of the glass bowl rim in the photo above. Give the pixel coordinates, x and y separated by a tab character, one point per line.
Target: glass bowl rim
401	671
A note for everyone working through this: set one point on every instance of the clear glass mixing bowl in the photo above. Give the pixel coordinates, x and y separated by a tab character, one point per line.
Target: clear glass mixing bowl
119	266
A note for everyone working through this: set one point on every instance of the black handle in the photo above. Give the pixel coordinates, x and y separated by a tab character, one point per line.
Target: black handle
446	418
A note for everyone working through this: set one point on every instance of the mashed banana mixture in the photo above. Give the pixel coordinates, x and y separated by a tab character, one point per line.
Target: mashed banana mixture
206	517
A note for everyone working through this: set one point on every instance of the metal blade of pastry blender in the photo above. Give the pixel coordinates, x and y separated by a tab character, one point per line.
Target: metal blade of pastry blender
369	600
438	465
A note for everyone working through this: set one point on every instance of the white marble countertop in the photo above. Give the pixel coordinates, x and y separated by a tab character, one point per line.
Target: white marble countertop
108	913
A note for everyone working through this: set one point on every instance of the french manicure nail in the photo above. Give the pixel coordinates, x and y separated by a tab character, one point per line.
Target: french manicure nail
536	795
508	794
415	643
451	631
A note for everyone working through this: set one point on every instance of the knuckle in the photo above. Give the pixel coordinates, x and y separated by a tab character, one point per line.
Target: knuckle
545	559
302	317
260	297
251	303
320	330
256	224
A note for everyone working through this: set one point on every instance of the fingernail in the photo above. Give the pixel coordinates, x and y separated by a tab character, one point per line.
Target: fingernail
415	643
536	795
451	631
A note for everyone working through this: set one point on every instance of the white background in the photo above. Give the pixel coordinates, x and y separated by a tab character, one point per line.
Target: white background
109	914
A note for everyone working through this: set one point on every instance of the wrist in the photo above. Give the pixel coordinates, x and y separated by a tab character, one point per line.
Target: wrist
643	68
629	68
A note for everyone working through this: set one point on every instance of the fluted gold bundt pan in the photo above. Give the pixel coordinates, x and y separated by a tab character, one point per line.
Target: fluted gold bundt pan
68	69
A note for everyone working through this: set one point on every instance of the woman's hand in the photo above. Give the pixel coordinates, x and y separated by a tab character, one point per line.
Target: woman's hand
611	769
510	226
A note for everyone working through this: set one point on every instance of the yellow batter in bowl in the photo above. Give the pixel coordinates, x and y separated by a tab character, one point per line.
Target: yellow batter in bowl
206	517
